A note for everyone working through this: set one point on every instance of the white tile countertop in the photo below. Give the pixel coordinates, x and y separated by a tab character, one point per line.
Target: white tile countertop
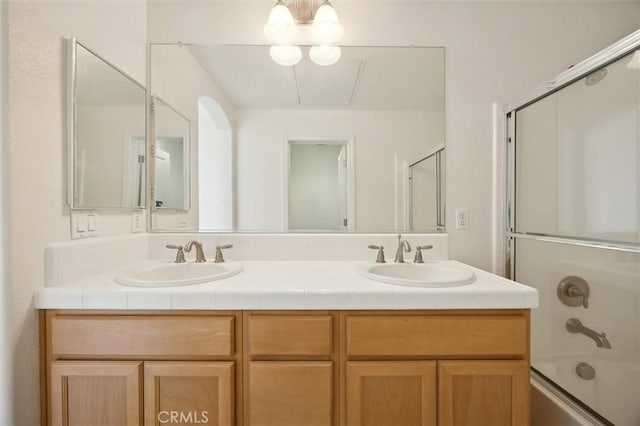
289	285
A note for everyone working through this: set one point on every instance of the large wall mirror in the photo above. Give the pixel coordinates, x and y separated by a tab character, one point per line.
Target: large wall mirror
107	133
336	148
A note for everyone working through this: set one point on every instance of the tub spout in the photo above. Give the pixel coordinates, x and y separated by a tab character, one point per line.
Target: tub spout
575	326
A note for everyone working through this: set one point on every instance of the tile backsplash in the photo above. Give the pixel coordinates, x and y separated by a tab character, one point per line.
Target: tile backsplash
74	260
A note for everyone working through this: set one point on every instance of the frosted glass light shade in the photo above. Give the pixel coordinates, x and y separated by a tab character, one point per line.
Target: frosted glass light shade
634	63
325	54
326	27
280	27
286	55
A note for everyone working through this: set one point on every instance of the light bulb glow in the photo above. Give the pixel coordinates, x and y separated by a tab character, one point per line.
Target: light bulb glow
325	54
286	55
634	63
280	27
326	27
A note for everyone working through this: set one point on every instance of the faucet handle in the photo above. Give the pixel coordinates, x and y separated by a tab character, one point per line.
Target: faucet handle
179	254
380	256
418	258
219	257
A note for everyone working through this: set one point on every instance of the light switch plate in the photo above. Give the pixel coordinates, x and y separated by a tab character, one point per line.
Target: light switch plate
84	224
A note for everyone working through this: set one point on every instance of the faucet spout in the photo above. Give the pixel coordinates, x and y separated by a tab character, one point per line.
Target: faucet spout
574	325
199	252
403	246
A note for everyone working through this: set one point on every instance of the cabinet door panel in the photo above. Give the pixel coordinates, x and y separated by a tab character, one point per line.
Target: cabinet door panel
96	393
494	393
390	393
291	393
188	393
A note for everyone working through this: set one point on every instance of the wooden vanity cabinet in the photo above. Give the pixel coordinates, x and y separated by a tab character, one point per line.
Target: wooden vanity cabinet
291	364
281	368
105	368
445	368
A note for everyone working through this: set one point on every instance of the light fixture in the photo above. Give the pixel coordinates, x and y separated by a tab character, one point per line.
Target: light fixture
285	55
280	27
634	63
325	30
325	54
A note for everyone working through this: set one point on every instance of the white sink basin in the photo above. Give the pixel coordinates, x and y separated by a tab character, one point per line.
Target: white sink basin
166	273
428	274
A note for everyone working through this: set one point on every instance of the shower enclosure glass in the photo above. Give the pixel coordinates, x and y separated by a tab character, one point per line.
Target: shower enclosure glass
573	233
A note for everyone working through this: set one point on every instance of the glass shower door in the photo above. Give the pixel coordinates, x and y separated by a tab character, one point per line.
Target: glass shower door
575	236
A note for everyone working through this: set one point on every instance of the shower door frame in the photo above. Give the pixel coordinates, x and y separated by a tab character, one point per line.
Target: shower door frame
598	61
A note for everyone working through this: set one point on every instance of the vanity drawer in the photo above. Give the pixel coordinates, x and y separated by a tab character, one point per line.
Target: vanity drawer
437	336
149	336
290	334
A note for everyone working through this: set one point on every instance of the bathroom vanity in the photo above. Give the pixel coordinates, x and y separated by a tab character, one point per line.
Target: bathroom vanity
285	343
316	367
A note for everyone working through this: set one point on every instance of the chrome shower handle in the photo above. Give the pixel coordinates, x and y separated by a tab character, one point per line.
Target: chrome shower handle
574	291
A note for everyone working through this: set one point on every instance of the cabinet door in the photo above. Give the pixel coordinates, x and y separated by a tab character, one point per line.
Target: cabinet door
391	393
95	393
290	393
188	393
475	393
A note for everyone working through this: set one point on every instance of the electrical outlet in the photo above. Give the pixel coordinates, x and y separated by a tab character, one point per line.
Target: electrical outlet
462	218
136	221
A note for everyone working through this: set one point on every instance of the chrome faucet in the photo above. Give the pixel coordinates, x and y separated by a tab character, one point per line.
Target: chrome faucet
199	252
575	326
403	245
219	257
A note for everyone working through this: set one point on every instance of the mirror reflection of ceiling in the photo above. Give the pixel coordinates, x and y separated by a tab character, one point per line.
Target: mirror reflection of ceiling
365	78
99	84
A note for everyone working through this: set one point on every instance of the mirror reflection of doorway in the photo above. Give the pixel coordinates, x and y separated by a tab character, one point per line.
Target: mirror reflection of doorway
133	180
318	185
170	173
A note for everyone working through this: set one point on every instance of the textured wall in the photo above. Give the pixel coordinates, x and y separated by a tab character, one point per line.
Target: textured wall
5	313
36	150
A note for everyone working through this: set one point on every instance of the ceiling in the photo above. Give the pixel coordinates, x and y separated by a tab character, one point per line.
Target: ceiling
365	78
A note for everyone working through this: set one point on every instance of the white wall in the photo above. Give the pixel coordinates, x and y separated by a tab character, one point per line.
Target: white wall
215	167
5	309
495	51
382	139
36	150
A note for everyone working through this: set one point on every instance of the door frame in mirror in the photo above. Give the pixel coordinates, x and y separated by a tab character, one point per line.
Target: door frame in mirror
186	153
72	109
347	141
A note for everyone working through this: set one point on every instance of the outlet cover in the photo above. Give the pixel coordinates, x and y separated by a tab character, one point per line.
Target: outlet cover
462	218
137	220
